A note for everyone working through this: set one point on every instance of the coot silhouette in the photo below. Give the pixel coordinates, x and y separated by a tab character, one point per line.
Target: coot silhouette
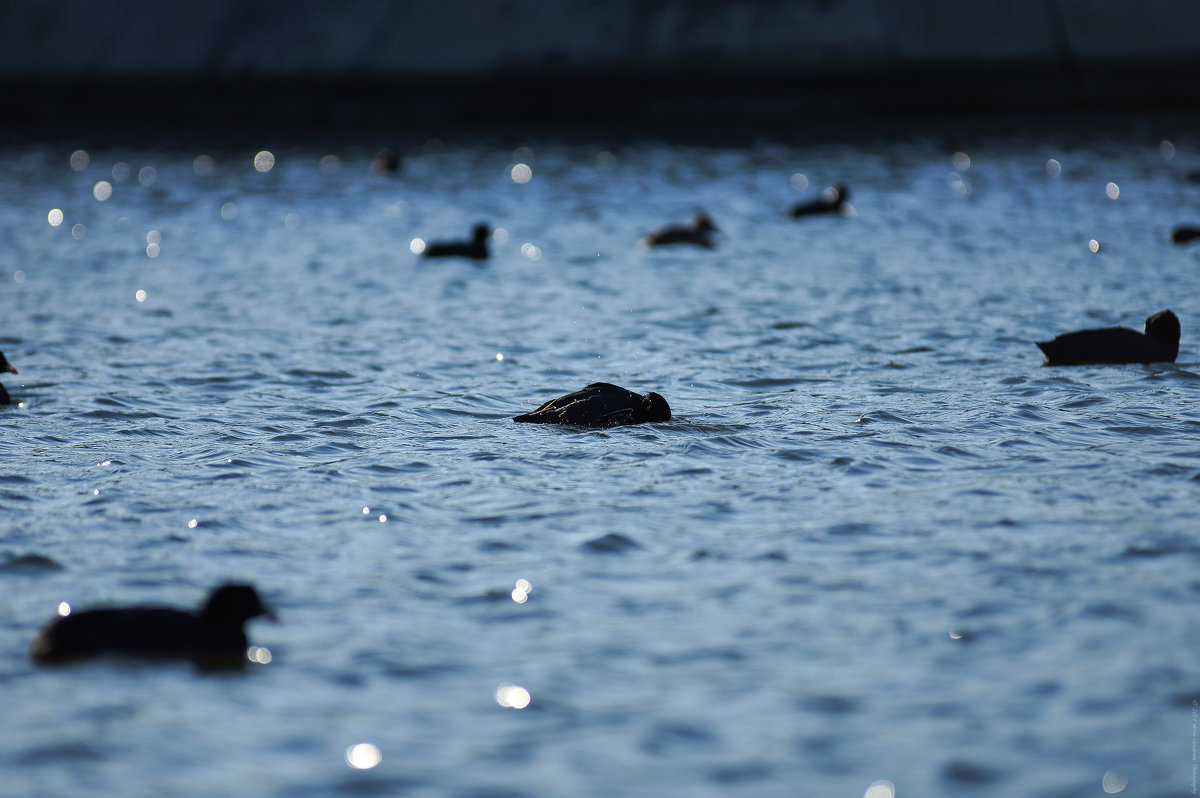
214	636
600	404
476	248
1160	343
699	233
1185	233
832	200
385	162
11	369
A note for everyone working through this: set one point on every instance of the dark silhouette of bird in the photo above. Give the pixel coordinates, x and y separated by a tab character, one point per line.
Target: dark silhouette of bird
385	162
600	404
476	248
212	637
11	369
699	233
832	200
1185	233
1159	343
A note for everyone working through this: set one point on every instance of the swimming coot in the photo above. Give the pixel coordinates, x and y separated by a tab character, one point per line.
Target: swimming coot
1185	233
600	404
832	200
699	233
11	369
212	637
476	248
1160	343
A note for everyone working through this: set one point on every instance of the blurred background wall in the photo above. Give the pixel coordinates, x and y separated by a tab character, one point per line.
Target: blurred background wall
590	57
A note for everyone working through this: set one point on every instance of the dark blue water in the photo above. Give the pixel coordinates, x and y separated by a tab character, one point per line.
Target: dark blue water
878	541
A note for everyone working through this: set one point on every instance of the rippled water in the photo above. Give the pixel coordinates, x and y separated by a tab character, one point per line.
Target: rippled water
877	541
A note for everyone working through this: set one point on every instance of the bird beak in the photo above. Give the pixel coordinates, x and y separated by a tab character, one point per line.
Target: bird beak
12	368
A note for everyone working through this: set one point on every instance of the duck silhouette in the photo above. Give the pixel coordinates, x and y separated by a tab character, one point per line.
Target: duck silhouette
214	636
1159	343
699	233
600	404
11	369
476	248
832	200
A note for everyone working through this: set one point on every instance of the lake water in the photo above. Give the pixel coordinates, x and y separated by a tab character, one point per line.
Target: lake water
878	541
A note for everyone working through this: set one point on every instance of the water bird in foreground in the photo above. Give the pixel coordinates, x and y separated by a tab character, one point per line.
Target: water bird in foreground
832	200
1160	343
11	369
1185	233
600	404
212	637
699	232
476	248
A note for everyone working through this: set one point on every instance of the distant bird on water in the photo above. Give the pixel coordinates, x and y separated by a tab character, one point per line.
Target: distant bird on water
1185	233
11	369
385	162
832	200
699	233
600	404
1159	344
476	248
212	637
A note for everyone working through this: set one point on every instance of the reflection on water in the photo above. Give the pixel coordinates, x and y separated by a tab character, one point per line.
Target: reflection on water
234	365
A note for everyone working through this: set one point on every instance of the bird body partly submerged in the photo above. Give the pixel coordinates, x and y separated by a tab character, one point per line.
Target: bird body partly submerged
699	233
832	200
476	248
600	404
1112	345
11	369
213	637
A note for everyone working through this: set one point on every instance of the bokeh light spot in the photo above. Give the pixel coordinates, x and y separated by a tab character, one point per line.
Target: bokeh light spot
531	251
363	756
102	191
193	523
264	161
962	161
1166	149
259	655
799	181
1053	167
521	173
512	696
202	165
153	250
147	175
140	295
1094	245
1112	190
500	235
229	211
64	609
80	160
121	172
1113	782
880	789
78	231
329	165
416	246
55	217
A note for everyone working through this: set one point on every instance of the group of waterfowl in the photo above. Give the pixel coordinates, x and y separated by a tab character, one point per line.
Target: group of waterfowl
215	634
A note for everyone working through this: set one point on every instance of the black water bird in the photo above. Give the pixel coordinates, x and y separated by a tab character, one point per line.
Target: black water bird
476	248
11	369
600	404
832	200
699	233
1158	344
385	162
1185	233
214	636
